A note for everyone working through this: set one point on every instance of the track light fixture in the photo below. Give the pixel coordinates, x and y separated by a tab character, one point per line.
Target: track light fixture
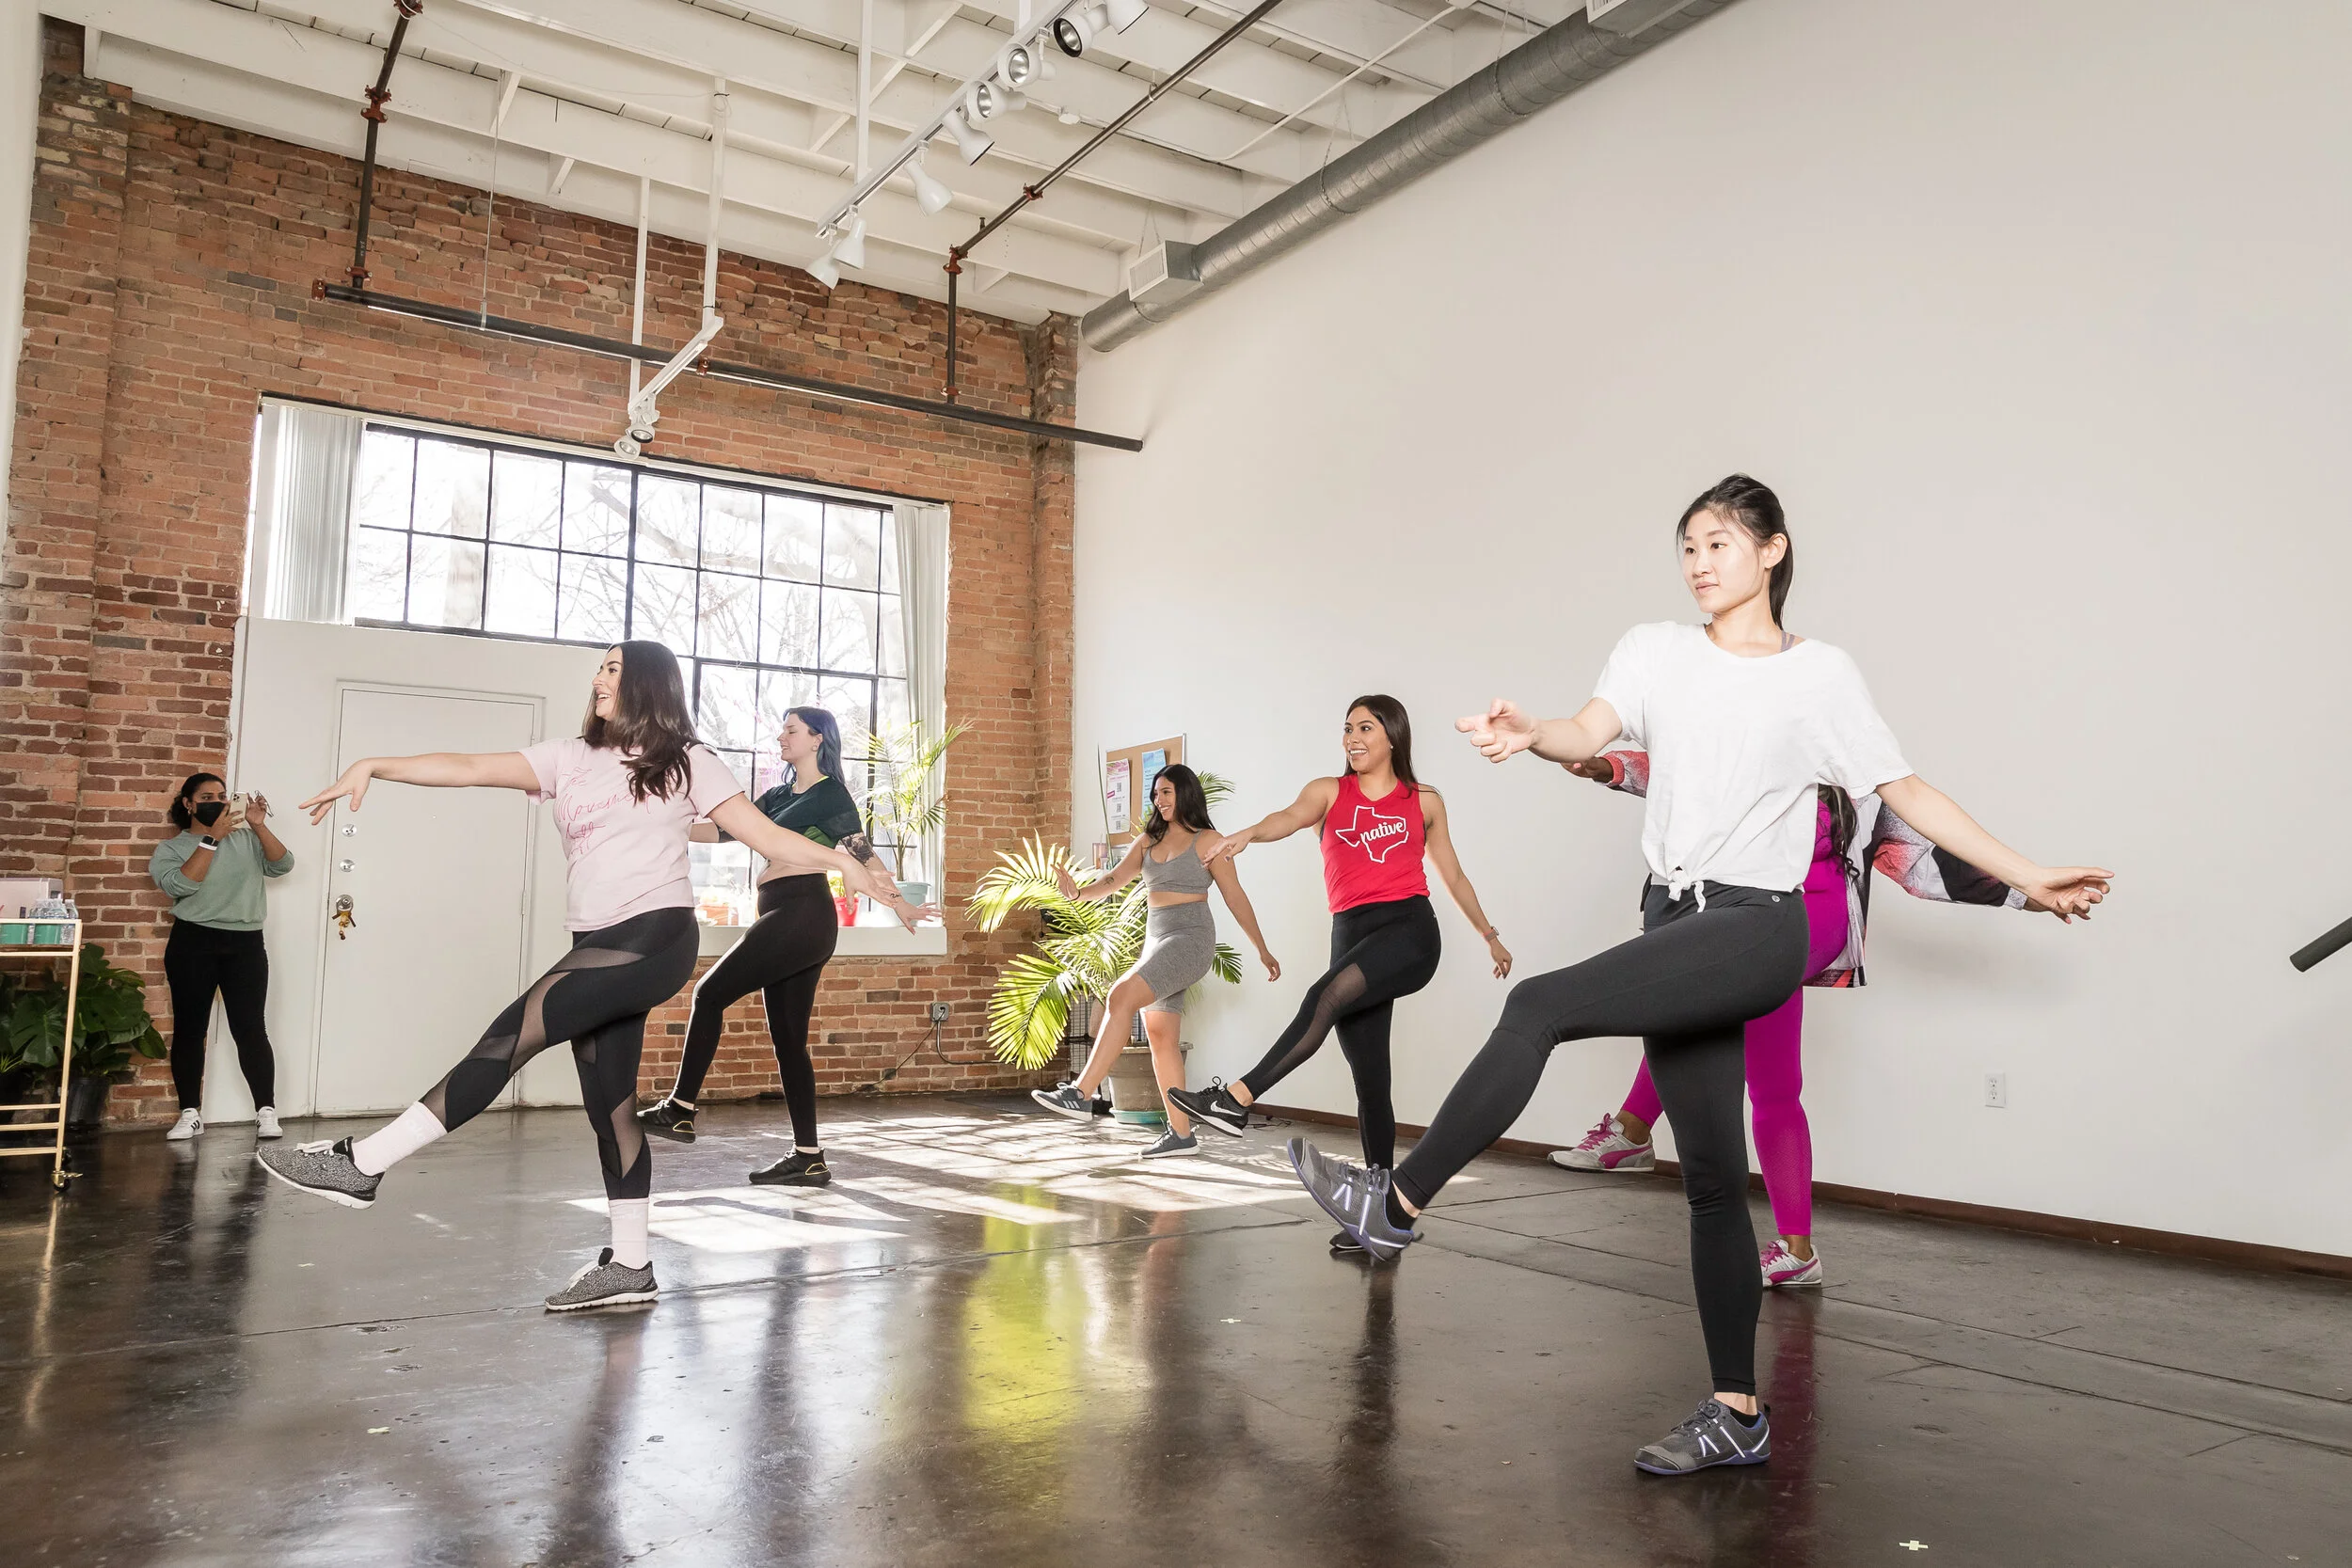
823	269
971	142
1021	66
1073	32
850	250
985	100
930	193
1123	14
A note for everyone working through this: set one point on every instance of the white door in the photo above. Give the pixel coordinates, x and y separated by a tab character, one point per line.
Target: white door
440	883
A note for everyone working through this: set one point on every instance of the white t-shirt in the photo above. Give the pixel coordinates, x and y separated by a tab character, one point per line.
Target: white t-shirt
622	856
1735	747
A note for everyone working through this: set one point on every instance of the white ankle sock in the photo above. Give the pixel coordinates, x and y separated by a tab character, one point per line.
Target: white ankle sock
397	1139
628	1216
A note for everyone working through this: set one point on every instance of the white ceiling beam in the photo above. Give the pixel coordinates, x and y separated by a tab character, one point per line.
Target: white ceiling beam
327	64
287	113
508	82
558	171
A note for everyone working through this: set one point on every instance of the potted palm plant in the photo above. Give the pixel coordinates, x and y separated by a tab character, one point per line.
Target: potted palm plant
903	802
110	1023
1082	949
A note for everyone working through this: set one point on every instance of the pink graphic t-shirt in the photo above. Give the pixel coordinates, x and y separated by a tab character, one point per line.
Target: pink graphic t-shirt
622	856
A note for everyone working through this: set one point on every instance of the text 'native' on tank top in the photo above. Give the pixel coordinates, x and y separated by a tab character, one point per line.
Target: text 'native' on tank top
1372	848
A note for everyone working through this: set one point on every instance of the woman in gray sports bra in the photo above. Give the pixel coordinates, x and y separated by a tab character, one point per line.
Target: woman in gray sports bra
1178	945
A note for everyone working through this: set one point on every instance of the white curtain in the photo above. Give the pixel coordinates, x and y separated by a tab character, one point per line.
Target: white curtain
304	460
923	605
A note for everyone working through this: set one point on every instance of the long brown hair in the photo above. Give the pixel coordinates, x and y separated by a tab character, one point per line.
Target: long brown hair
649	719
1390	714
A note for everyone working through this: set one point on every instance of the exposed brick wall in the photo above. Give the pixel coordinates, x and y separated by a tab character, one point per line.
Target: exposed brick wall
169	288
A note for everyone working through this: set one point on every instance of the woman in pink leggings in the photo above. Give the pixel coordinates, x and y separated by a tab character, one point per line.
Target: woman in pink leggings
1852	838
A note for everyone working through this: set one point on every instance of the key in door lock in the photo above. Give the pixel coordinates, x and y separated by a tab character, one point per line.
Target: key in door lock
344	920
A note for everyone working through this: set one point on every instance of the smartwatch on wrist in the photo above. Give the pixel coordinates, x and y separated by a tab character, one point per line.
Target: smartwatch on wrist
208	843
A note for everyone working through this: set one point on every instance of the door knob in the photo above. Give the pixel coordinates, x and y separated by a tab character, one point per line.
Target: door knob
344	920
346	865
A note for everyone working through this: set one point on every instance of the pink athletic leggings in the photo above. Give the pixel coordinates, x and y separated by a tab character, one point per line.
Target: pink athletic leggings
1775	1056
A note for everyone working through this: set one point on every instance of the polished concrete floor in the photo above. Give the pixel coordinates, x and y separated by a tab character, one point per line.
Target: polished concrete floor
998	1339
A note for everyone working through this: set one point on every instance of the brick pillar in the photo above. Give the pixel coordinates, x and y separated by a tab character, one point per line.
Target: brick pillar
1053	354
56	475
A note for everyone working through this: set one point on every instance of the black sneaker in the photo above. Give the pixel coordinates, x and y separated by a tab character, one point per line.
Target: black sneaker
1713	1435
323	1170
669	1121
795	1169
605	1283
1064	1099
1214	1106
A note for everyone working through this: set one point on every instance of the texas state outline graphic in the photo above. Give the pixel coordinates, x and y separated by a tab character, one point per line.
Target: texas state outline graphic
1384	835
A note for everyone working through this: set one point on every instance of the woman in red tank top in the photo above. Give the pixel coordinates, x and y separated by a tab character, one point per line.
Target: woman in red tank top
1378	824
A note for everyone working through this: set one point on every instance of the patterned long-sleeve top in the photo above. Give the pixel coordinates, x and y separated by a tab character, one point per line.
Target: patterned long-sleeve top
1880	840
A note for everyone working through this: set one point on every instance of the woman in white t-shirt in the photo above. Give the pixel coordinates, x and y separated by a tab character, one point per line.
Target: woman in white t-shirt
1742	722
626	792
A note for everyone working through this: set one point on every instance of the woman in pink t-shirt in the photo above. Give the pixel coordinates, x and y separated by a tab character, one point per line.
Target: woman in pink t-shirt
626	792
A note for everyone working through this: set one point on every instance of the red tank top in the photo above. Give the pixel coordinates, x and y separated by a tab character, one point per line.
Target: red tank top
1372	848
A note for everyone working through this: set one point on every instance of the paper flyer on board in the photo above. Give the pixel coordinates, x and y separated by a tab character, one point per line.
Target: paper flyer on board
1115	794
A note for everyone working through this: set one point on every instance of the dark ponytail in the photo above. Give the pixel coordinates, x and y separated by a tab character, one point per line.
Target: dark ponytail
827	729
1755	508
649	719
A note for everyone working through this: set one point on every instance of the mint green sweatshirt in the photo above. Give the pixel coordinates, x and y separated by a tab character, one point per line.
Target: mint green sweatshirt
230	896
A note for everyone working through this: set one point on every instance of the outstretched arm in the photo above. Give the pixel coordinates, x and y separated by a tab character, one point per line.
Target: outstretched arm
738	817
2066	891
1120	875
1228	879
432	769
1503	730
1441	852
1312	806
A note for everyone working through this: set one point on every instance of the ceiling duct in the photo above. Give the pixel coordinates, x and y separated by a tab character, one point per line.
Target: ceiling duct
1541	71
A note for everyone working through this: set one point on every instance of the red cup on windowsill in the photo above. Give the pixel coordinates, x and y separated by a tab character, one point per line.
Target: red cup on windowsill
846	907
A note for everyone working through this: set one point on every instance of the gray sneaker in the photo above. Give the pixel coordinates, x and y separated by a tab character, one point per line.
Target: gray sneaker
1356	1198
324	1170
1713	1435
605	1283
1064	1099
1173	1143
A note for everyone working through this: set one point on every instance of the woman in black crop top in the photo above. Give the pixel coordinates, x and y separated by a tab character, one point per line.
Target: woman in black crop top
784	953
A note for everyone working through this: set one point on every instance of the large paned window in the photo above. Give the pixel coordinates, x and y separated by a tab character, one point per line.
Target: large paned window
772	597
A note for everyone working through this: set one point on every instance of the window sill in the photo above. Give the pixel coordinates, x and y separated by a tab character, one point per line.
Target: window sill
857	942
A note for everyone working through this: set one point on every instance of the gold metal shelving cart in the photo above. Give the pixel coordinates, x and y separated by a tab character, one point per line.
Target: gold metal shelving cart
68	947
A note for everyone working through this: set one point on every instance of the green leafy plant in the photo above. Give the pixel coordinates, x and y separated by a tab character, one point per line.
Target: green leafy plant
110	1020
900	804
1085	946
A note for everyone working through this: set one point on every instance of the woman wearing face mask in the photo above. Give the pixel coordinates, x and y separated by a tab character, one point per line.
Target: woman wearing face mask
627	791
1377	824
1742	722
214	870
784	953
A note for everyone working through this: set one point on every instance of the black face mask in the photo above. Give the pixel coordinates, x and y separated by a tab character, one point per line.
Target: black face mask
209	811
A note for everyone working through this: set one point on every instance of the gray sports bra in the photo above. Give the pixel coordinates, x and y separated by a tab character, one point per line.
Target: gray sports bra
1183	873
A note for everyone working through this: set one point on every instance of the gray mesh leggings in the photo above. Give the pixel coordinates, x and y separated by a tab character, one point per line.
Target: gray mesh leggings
597	996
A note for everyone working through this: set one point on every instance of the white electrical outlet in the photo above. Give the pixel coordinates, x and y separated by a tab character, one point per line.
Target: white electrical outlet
1996	1090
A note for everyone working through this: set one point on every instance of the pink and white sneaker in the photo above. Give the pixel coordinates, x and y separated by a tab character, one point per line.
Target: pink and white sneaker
1607	1149
1784	1268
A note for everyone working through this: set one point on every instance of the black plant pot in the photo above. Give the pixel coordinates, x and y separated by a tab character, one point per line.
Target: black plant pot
86	1104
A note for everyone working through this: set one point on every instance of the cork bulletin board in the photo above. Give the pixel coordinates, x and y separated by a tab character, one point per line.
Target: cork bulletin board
1126	781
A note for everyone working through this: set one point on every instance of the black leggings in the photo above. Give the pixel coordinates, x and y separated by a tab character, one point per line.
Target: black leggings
1379	952
784	956
1688	986
197	961
597	996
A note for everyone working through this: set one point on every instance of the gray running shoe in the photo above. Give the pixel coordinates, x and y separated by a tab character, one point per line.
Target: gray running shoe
322	1169
1214	1106
1064	1099
605	1283
1173	1143
1713	1435
1356	1198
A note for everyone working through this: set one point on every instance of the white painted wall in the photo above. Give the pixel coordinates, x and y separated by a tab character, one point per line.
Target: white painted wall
2042	329
285	723
19	113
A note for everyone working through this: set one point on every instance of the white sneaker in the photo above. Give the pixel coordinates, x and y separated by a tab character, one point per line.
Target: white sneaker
1606	1148
265	1124
189	1126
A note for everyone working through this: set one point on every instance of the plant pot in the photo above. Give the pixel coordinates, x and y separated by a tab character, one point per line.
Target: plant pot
86	1104
917	894
1135	1092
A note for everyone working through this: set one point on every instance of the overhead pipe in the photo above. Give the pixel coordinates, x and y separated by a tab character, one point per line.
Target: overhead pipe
378	96
751	376
1538	74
